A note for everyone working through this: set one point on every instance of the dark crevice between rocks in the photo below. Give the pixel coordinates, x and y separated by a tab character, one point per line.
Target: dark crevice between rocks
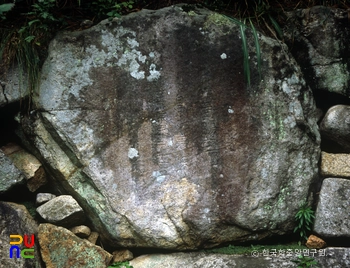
21	195
8	124
287	239
338	241
9	128
325	100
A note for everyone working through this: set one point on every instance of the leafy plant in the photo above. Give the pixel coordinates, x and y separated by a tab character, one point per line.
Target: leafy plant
306	262
25	44
304	218
242	27
5	8
110	8
41	18
125	264
263	16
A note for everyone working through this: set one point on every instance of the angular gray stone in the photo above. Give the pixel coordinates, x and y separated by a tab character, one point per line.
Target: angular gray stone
28	164
61	248
62	210
332	218
42	198
151	127
325	61
336	126
10	175
15	219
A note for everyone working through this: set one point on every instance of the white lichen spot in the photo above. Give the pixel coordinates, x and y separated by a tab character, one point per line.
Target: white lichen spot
230	111
154	74
158	176
151	54
290	121
141	57
132	153
132	43
286	88
223	56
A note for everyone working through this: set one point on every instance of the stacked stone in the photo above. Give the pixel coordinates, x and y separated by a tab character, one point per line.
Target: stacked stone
333	209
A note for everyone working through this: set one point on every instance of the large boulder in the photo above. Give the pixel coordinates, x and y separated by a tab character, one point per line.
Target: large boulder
148	122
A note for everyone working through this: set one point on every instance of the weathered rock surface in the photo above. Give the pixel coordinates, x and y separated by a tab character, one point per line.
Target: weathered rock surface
61	248
81	231
42	198
325	61
28	164
335	126
332	217
122	255
10	175
331	257
336	257
15	219
63	210
148	123
93	237
13	87
335	165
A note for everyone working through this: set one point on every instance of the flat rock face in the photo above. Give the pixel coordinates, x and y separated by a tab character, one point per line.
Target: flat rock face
147	121
61	248
332	219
